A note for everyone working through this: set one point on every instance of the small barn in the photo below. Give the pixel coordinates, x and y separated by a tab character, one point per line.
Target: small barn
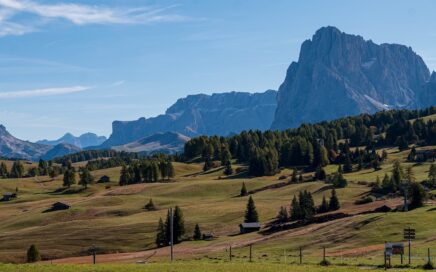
9	196
104	179
208	236
249	227
58	206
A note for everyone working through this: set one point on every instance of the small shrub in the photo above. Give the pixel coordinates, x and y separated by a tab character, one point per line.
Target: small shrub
33	254
428	266
324	263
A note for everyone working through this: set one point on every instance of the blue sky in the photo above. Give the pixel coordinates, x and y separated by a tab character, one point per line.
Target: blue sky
75	66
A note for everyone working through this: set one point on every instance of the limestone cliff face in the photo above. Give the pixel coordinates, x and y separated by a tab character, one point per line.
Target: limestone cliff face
338	74
216	114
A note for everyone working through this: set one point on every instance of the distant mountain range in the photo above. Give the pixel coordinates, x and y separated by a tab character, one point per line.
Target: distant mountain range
83	141
201	114
337	75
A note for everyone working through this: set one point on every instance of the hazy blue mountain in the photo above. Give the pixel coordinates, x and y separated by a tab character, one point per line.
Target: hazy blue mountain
84	140
201	114
60	150
11	147
338	74
167	142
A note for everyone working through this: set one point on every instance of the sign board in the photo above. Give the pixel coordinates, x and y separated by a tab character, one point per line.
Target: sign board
394	249
409	234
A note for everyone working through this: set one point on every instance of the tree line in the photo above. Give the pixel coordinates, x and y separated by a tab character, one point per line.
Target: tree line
145	171
316	145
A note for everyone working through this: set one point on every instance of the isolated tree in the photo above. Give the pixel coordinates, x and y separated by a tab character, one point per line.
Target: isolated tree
296	212
324	207
52	172
33	254
243	190
178	225
85	177
300	178
397	173
3	170
161	238
251	215
334	201
339	181
283	215
197	232
150	206
69	177
417	194
228	168
17	170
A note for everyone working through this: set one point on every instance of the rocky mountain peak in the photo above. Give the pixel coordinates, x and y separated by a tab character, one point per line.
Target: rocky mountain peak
339	74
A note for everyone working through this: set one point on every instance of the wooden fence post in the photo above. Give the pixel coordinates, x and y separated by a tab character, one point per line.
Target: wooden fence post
301	255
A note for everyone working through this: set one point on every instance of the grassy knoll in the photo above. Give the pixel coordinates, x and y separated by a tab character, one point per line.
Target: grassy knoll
113	218
188	267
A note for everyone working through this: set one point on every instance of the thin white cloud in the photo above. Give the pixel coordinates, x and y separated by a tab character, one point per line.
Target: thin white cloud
44	92
81	14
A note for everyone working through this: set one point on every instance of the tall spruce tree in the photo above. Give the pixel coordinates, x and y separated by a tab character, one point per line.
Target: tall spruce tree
243	190
283	215
161	238
228	168
85	177
69	177
296	213
417	194
197	232
324	207
3	170
179	225
251	215
294	178
17	170
334	201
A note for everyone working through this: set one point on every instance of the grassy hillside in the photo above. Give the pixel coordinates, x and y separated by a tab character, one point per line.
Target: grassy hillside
113	218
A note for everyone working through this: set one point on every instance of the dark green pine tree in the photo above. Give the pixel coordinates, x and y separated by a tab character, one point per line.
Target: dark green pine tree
283	215
334	201
17	170
348	166
171	172
243	190
197	232
161	238
85	177
33	254
300	178
3	170
69	177
324	207
417	194
307	205
339	181
124	176
251	215
296	213
179	225
168	227
228	168
207	164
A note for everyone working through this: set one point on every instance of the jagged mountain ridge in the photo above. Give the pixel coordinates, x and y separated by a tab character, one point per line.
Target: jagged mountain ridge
83	141
338	74
194	115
